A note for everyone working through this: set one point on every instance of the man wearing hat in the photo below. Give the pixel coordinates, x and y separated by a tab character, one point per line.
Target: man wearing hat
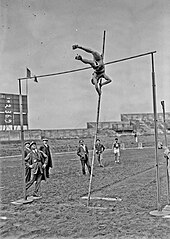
99	150
46	149
83	153
37	161
27	168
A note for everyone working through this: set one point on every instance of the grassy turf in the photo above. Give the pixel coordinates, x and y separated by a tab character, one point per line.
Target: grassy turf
61	213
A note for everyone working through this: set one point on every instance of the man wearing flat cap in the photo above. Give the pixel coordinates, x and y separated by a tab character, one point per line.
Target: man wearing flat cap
46	149
83	153
37	161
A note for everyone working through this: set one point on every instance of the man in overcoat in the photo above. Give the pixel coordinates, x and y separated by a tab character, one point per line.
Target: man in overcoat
27	150
46	149
83	153
37	161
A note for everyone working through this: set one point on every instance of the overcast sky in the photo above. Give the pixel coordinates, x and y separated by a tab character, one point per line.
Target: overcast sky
39	34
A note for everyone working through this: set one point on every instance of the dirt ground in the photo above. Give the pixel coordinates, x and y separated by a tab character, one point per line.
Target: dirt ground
62	213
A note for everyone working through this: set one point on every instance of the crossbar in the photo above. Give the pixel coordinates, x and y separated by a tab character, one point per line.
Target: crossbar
87	68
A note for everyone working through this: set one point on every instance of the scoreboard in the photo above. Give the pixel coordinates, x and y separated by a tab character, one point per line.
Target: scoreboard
10	110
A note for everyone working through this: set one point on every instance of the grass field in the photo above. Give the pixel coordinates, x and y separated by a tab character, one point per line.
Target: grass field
62	213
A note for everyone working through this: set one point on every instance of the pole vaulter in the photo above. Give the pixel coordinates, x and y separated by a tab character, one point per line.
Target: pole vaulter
97	123
98	76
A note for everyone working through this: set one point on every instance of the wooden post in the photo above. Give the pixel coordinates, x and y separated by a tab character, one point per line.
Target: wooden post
22	137
166	144
156	133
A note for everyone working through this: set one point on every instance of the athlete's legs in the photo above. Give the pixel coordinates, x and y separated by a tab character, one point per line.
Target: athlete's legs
85	61
115	157
107	80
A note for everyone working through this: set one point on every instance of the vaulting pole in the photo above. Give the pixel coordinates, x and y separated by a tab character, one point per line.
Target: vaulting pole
166	144
93	156
97	124
104	39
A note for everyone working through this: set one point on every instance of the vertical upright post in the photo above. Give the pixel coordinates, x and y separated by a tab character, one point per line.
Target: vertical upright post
166	144
26	90
97	124
22	136
156	133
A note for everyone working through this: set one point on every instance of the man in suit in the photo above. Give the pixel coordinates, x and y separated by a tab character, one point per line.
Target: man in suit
83	153
99	150
37	161
27	150
46	149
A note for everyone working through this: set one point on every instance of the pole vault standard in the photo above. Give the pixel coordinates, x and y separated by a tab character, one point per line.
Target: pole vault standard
158	211
166	144
81	69
25	200
22	136
156	132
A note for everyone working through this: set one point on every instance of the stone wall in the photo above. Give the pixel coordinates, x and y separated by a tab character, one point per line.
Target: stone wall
14	135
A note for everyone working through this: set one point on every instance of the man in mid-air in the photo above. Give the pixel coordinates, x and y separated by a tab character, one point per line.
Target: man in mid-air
97	64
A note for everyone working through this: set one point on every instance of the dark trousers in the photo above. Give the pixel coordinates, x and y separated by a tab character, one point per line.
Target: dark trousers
47	169
27	174
36	178
85	161
98	156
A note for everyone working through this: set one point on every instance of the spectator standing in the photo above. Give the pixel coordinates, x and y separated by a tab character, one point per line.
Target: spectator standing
167	156
37	161
83	153
116	150
46	149
136	137
99	150
27	169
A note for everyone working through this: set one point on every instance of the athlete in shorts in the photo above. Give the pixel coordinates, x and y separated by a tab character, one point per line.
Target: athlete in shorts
116	150
97	64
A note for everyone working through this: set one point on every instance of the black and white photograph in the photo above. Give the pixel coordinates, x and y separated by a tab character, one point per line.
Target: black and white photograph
84	119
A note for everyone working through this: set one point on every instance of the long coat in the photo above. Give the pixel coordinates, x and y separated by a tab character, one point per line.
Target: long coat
37	160
46	150
83	154
27	169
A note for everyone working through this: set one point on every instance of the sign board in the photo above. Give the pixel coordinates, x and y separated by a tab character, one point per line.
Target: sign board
10	109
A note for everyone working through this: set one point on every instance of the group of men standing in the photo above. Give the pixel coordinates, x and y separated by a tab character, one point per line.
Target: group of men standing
39	161
37	164
83	153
